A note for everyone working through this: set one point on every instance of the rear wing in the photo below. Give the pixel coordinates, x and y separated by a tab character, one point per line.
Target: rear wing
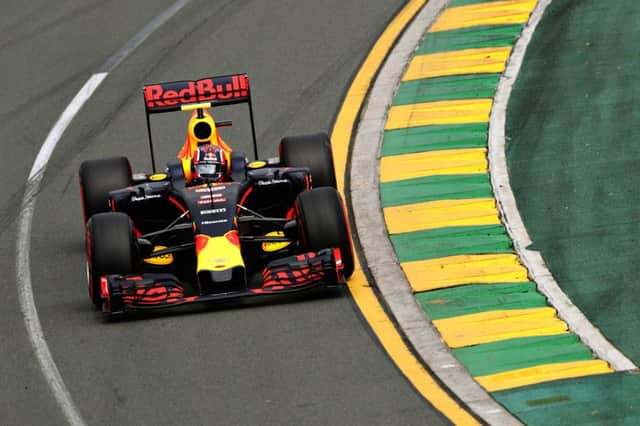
196	95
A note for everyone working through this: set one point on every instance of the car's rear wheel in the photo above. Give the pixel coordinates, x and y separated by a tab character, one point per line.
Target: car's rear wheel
98	178
323	224
111	249
312	151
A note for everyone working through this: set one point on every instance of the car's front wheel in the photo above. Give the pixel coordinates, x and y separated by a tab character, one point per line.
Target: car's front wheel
322	223
111	249
98	178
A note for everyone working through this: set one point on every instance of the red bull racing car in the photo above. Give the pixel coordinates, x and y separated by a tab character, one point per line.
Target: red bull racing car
212	225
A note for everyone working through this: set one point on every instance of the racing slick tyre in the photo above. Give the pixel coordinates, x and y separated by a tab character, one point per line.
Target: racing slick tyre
322	224
111	249
97	178
312	151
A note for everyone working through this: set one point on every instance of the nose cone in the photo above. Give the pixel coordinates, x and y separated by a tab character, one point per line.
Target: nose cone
220	265
218	253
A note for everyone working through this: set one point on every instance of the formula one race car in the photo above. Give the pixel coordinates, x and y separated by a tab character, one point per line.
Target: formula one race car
212	226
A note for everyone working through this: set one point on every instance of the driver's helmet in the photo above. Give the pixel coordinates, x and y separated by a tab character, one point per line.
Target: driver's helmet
209	163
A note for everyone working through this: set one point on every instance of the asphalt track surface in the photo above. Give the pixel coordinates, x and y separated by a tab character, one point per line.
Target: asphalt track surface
309	360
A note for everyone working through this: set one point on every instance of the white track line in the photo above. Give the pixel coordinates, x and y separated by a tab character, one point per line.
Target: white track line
536	266
23	244
83	95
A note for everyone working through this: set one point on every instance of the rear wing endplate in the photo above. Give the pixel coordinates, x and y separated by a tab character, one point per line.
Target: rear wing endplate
198	94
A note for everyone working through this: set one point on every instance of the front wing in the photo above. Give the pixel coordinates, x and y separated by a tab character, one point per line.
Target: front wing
125	293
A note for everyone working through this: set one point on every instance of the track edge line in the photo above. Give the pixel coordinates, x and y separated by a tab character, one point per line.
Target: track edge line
24	285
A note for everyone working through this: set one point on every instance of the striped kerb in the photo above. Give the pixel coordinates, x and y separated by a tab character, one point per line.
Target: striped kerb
460	111
479	60
440	212
431	163
486	13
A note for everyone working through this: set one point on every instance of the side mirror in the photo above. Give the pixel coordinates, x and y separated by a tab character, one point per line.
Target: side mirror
290	229
145	247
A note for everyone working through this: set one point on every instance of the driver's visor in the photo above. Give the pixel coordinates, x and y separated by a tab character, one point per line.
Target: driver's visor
207	169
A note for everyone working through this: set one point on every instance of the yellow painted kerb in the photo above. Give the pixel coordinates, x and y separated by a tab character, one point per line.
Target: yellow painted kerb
543	373
458	62
494	326
441	112
451	271
441	214
489	13
358	285
431	163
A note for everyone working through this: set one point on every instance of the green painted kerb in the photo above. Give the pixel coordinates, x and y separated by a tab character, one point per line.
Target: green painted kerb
525	352
443	242
433	188
433	138
476	298
470	38
475	86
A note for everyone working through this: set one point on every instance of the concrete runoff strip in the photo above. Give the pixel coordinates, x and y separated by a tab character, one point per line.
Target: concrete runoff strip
377	249
505	200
